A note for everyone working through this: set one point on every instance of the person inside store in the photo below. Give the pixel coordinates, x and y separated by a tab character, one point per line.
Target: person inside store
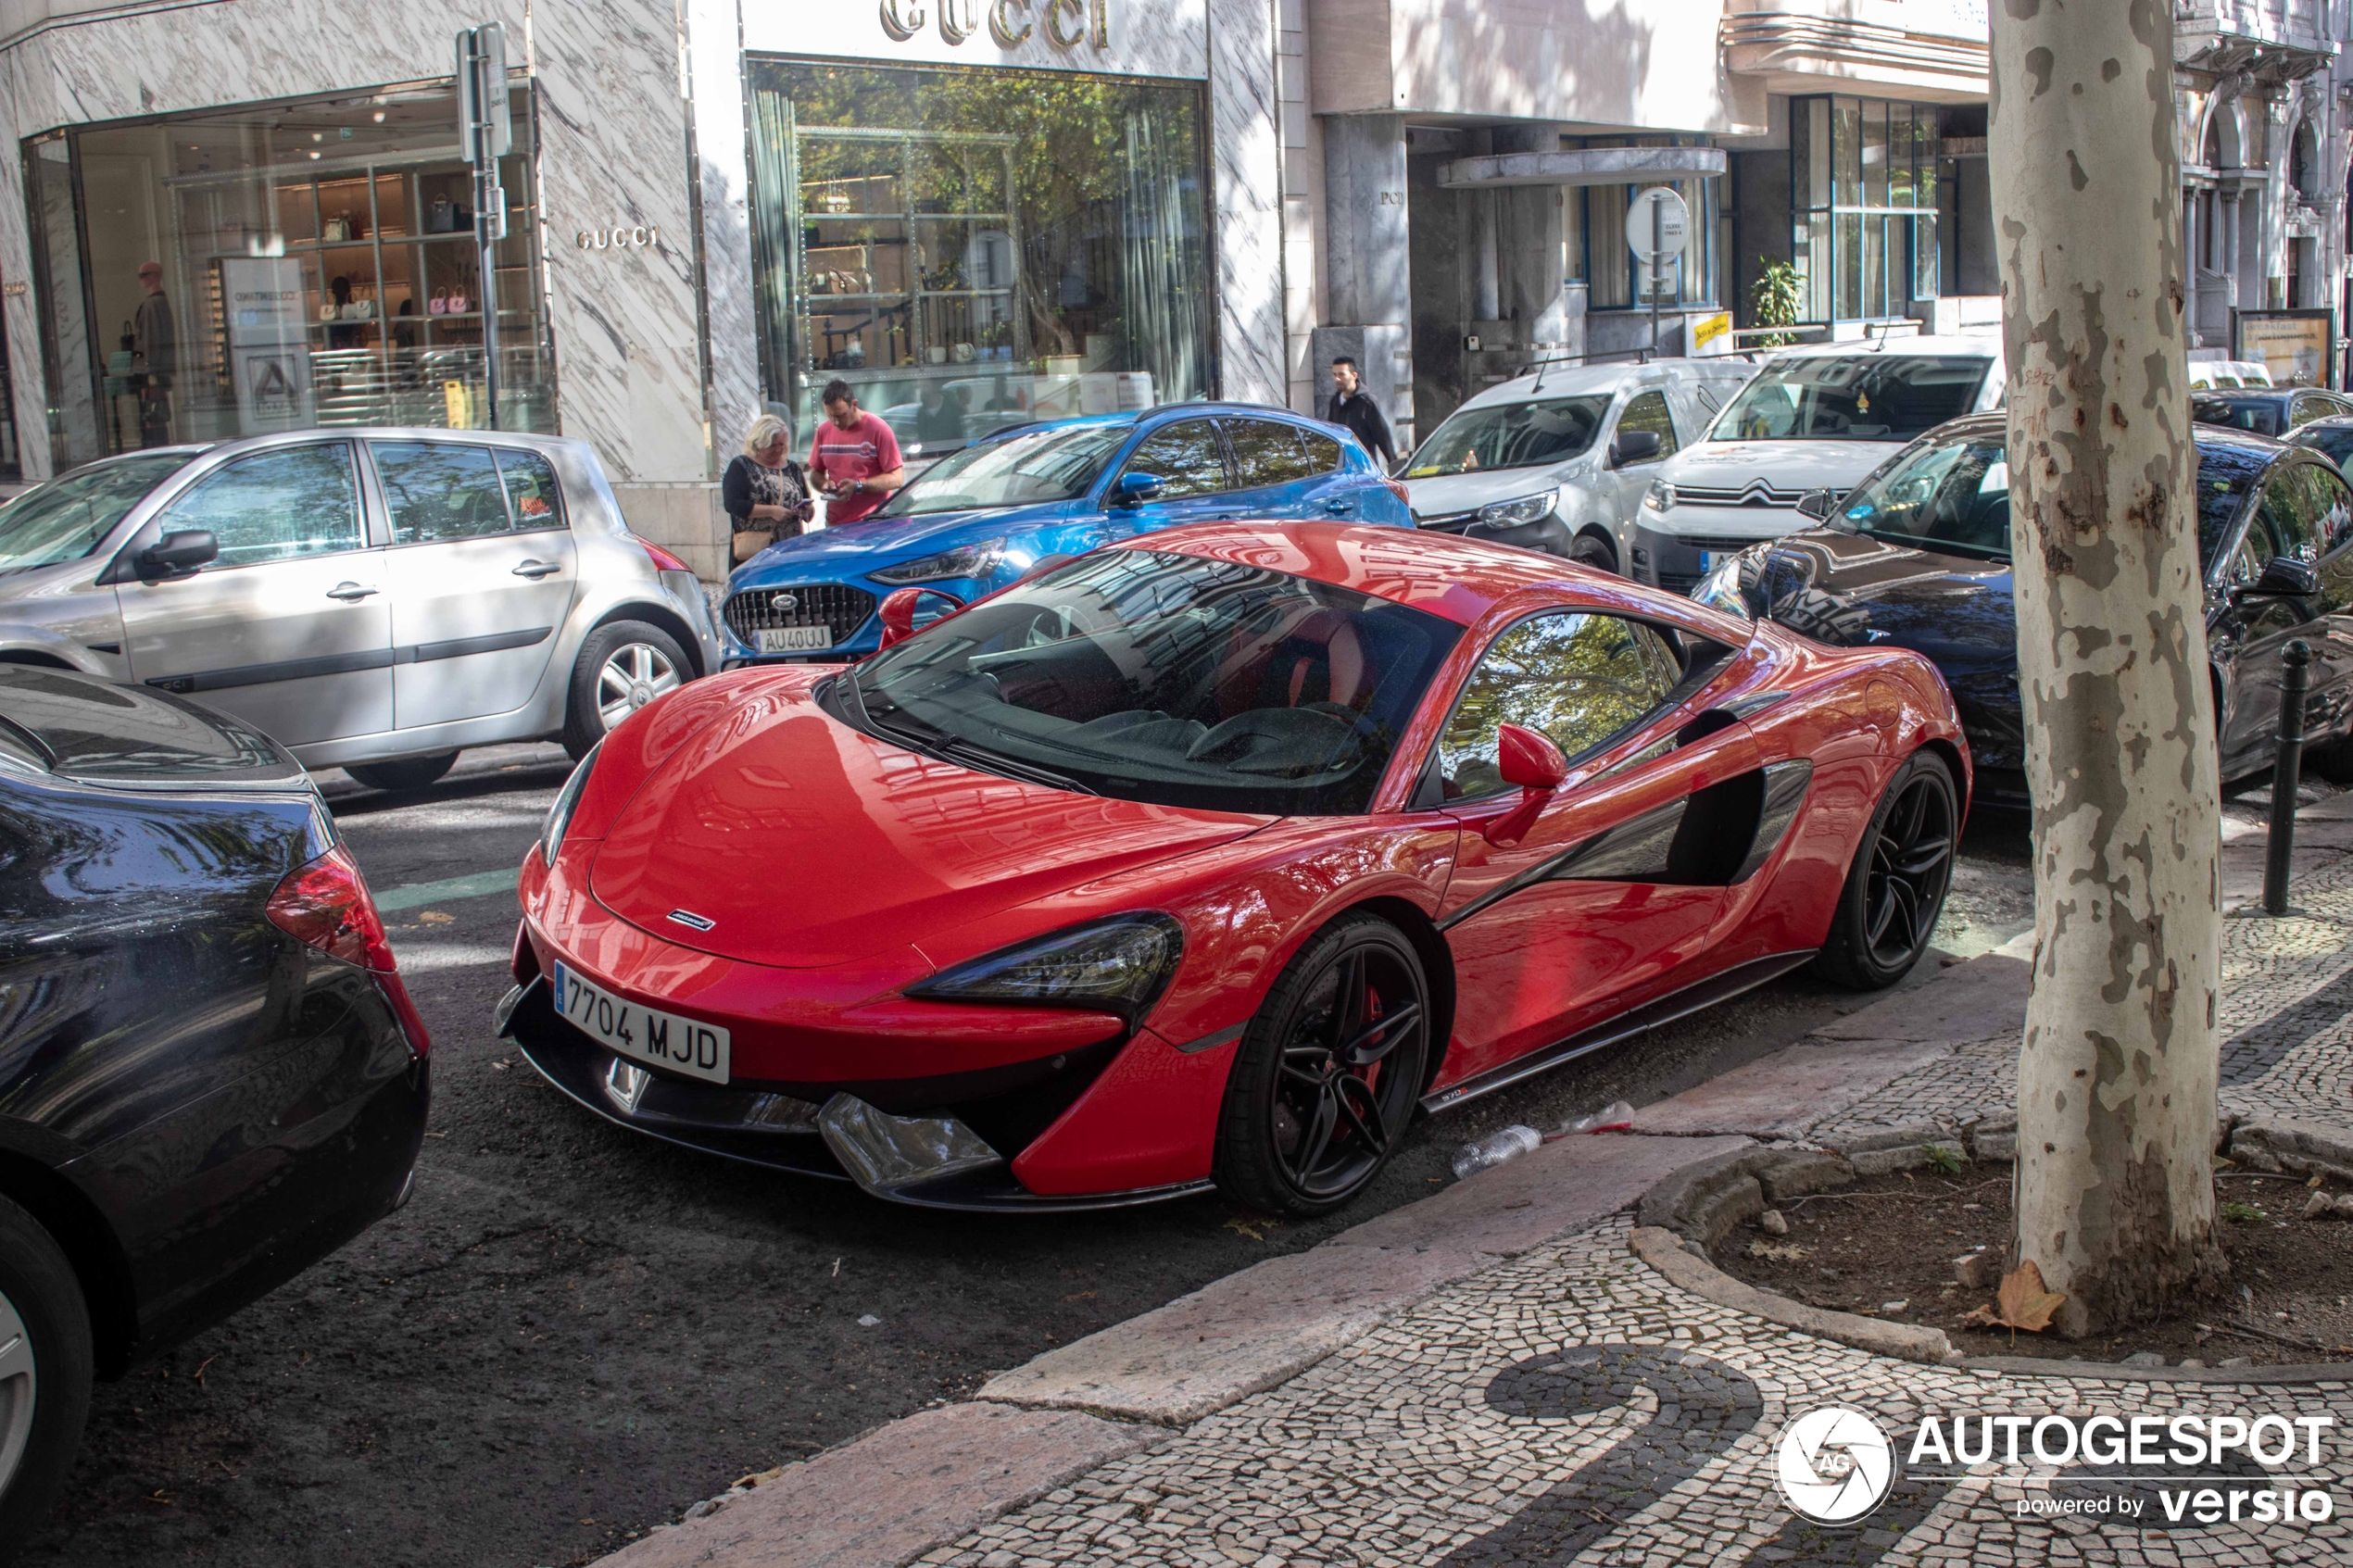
339	288
764	492
155	352
855	458
1353	406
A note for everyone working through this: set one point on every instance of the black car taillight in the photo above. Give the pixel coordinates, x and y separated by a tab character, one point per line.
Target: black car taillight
324	904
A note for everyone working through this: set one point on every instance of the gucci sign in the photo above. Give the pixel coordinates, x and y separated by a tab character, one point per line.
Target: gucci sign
1067	23
641	237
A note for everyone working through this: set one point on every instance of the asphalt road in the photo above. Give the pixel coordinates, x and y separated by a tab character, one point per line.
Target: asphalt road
573	1333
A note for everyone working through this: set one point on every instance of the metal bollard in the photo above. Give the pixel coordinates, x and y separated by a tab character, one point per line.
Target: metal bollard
2287	770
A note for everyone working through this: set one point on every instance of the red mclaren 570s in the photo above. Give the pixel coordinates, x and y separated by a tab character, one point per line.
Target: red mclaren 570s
1208	859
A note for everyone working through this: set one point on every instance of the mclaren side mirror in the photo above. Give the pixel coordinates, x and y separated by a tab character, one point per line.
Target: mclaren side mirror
178	553
1633	446
899	609
1530	762
1817	503
1134	489
2286	577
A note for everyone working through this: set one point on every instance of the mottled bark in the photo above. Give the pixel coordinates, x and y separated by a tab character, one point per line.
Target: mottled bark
2116	1079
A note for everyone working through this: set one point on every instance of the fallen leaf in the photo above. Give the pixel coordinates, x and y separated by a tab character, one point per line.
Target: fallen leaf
2021	1303
760	1478
434	917
1781	1251
1255	1227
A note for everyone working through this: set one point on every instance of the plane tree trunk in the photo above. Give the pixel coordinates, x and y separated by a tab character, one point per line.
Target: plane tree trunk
2117	1077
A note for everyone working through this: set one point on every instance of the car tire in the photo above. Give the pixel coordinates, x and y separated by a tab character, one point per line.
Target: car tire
622	666
407	772
1896	888
45	1370
1588	549
1320	1095
2335	760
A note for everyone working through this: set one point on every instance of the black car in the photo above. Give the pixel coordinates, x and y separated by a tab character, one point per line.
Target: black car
210	1073
2333	437
1917	556
2268	410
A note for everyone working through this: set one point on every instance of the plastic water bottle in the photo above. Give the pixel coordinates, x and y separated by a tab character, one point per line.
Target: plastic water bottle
1614	1117
1509	1143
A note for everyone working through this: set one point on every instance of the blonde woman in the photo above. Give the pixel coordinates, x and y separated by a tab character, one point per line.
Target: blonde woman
764	492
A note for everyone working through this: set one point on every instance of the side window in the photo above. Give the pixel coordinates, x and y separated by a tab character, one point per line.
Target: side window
1648	412
2288	516
2304	410
1266	453
438	491
2332	506
277	505
1187	458
1323	452
1575	677
531	492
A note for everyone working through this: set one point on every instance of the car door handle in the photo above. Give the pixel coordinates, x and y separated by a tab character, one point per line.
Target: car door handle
536	569
350	593
1338	507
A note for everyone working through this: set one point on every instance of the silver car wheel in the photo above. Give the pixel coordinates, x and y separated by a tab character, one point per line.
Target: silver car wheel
633	676
17	1388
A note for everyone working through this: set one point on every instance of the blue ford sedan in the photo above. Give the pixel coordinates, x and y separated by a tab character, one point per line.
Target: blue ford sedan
981	517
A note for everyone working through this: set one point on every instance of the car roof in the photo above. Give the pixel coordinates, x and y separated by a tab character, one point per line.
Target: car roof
1570	380
1997	422
1453	578
1893	348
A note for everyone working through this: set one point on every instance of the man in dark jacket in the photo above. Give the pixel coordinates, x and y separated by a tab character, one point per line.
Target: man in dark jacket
1353	407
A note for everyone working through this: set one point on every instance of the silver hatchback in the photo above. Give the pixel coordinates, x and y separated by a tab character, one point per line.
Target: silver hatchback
374	600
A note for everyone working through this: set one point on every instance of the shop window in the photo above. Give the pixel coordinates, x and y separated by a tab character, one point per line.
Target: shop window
1598	216
1864	195
977	249
276	267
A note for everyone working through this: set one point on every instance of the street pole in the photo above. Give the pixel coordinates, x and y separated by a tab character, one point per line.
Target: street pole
2287	769
486	130
1658	254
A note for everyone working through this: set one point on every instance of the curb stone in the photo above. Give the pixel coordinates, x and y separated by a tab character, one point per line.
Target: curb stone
1663	1251
2291	1148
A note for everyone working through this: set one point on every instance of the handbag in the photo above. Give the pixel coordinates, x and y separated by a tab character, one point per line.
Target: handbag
749	542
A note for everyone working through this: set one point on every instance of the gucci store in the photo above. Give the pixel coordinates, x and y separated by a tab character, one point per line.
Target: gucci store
252	215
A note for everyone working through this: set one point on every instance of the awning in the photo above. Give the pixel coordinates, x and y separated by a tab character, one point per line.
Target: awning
1589	166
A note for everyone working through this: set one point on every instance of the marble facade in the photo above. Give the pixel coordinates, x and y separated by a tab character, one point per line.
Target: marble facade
642	119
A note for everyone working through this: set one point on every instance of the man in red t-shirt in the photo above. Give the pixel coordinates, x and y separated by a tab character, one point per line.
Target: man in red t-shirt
856	462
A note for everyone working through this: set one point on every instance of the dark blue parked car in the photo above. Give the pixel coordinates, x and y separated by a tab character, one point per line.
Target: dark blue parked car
982	516
1917	556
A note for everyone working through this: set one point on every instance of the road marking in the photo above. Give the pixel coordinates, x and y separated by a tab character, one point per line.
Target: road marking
478	885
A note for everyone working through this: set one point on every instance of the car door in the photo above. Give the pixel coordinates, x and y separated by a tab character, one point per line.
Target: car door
1610	889
290	629
2331	636
2253	628
1196	484
1273	476
481	569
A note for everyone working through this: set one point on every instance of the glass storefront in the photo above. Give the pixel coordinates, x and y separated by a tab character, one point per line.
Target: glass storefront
277	267
12	461
1863	206
971	249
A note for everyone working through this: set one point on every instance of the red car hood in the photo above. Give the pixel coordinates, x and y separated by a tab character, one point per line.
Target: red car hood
805	843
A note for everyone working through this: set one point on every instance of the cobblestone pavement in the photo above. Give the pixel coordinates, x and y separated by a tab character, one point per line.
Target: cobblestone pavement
1572	1406
2287	1051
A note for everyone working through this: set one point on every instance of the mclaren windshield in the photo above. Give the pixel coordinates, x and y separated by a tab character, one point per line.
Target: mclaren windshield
1052	463
1163	678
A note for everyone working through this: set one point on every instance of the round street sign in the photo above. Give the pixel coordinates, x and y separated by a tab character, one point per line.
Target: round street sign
1672	218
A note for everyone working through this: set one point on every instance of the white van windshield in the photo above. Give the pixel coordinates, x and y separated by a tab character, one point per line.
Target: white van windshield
1510	436
1868	396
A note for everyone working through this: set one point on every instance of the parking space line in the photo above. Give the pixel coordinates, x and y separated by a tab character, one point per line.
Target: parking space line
478	885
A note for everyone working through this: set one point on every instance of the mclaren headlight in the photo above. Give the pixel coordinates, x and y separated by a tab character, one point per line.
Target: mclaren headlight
551	833
965	561
1119	965
1720	589
1521	512
1660	497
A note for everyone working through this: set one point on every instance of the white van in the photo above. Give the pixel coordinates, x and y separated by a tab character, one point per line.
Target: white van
1817	418
1556	460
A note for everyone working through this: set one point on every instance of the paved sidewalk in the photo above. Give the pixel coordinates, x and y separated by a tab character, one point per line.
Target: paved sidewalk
1494	1376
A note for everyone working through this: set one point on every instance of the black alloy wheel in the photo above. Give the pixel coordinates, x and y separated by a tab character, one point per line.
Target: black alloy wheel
1329	1073
1895	889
